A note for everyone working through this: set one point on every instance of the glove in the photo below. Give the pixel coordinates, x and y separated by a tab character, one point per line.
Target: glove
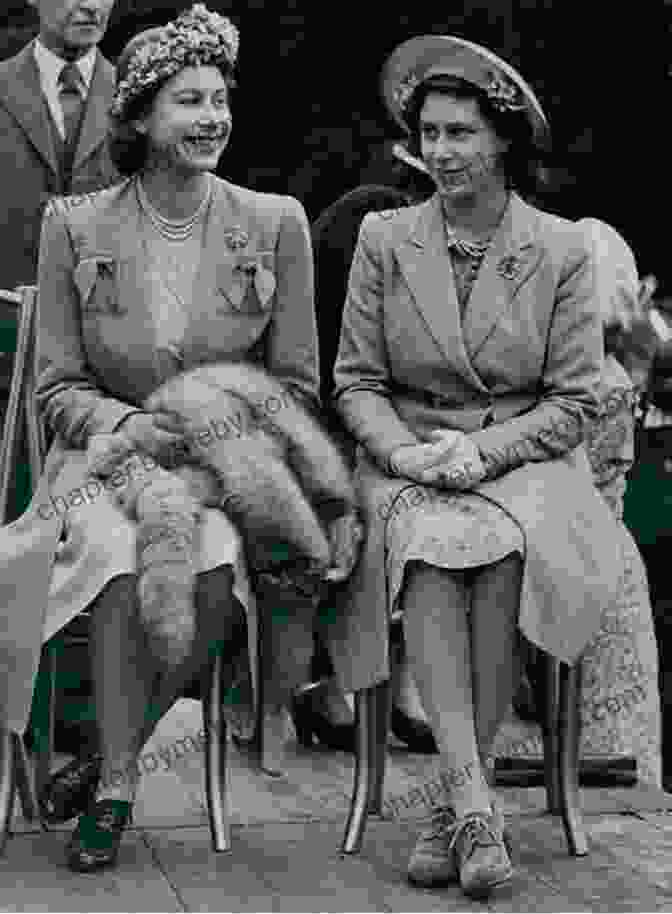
158	434
420	462
463	469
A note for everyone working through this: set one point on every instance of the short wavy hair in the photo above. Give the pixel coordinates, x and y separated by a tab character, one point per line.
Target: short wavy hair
523	161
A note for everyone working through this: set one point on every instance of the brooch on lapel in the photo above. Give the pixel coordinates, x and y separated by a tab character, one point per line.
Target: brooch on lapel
509	267
236	239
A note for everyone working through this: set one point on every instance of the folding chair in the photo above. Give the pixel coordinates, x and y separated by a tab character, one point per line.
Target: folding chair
15	768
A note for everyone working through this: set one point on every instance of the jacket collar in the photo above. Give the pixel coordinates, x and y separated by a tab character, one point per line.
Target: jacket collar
21	95
512	257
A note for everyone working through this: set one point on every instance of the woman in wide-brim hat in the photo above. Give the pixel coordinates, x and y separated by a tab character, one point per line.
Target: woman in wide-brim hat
469	359
168	270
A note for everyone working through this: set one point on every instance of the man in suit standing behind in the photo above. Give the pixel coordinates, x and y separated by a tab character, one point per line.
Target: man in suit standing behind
54	98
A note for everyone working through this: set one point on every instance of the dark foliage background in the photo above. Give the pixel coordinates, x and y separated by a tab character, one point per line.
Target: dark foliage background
308	114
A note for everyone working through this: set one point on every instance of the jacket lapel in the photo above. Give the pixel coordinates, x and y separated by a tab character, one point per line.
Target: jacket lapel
21	94
426	267
222	215
125	246
98	101
511	259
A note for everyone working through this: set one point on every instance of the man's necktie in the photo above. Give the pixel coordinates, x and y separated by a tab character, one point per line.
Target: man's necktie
71	99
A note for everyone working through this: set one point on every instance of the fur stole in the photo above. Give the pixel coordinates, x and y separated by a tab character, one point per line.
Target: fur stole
249	450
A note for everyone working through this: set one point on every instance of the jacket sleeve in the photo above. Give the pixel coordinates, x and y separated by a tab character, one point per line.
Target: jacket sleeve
291	353
362	376
68	397
569	387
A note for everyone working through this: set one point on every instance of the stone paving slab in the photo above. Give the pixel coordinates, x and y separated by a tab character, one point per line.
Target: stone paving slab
287	836
34	877
296	867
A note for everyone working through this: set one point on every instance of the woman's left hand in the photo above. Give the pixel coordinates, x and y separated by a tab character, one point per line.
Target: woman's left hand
464	469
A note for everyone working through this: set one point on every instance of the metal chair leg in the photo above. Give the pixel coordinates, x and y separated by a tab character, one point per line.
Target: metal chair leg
43	717
216	773
569	734
549	683
7	784
359	804
381	707
24	780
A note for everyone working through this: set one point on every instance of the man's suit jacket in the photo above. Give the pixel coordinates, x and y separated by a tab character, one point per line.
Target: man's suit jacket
29	169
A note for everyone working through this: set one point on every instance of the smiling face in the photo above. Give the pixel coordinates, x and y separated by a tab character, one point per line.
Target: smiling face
189	124
461	150
70	28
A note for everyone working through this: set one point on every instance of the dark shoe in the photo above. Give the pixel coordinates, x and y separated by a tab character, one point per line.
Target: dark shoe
524	703
481	856
71	790
415	733
96	839
309	723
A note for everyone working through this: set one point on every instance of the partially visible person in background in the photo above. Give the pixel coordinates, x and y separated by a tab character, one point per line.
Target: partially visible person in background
54	98
392	179
648	500
620	703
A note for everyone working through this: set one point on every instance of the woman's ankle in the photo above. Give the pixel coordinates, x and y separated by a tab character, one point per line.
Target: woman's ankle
467	787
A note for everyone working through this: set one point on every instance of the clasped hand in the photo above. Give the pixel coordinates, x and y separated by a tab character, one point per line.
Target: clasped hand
448	461
160	434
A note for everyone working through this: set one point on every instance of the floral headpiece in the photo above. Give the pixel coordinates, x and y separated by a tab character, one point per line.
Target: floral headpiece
504	95
197	37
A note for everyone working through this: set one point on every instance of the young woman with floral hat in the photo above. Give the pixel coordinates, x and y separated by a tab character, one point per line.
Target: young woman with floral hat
170	269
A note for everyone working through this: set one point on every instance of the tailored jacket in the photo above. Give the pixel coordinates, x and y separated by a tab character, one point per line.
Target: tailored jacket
98	360
518	373
29	169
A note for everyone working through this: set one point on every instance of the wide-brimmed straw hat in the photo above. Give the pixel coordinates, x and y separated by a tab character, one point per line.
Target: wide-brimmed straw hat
417	59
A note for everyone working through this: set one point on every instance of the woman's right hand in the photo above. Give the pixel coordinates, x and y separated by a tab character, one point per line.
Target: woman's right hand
157	434
424	463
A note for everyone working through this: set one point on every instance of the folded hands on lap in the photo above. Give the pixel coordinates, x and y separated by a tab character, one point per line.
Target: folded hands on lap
449	460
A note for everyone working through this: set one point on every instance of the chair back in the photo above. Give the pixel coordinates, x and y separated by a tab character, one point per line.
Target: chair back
22	430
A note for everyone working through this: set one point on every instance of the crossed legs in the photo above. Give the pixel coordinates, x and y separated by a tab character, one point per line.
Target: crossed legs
131	690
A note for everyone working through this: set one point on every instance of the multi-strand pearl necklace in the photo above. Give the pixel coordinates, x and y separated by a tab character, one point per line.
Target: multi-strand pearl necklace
173	229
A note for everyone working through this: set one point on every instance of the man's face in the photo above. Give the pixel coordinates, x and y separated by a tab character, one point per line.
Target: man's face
70	28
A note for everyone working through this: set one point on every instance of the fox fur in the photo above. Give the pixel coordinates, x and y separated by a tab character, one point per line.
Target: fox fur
251	451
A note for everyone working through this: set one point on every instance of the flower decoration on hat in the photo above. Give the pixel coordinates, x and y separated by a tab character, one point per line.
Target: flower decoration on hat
406	88
504	95
197	37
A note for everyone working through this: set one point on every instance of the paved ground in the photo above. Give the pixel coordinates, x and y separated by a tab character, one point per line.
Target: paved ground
287	837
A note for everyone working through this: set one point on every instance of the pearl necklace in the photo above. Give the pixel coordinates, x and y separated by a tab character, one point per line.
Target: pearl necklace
173	229
475	249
